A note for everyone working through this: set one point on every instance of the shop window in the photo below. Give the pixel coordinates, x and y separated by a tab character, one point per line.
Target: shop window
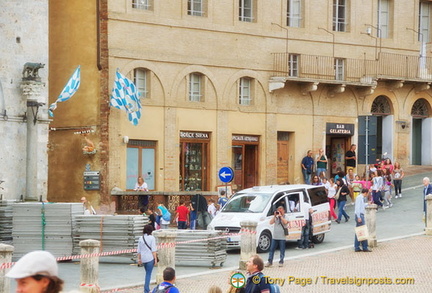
194	161
140	161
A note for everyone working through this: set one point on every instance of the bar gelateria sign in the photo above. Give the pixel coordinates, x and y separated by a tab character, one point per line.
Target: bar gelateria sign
339	129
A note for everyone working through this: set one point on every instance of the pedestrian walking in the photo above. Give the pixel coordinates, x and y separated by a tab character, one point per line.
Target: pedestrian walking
307	164
341	194
398	175
360	211
36	272
147	254
279	235
331	193
377	186
167	285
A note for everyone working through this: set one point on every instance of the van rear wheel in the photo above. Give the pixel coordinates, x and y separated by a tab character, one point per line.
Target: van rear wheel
317	239
264	242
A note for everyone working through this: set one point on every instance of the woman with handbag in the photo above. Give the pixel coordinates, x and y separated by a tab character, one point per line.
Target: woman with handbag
147	254
341	197
279	233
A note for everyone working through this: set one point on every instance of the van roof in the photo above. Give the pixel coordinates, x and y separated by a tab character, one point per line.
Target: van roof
276	188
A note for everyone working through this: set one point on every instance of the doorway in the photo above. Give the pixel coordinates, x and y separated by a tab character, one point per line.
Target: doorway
282	157
416	142
245	162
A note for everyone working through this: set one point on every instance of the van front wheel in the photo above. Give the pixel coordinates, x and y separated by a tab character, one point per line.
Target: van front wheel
318	238
264	242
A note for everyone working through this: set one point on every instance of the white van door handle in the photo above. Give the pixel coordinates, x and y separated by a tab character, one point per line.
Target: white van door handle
300	217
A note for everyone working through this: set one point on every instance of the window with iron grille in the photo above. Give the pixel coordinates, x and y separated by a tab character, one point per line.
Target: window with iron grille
424	21
420	109
195	87
381	106
339	68
339	15
142	4
246	10
383	18
294	13
141	81
245	86
197	7
293	63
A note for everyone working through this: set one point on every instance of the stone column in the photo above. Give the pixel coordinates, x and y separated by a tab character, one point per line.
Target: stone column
247	242
37	140
166	252
428	215
5	257
370	219
89	266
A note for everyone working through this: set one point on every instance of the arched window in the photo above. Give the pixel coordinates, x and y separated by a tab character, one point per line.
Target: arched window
420	109
381	106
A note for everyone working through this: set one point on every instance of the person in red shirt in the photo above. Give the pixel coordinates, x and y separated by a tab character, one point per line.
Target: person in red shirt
182	216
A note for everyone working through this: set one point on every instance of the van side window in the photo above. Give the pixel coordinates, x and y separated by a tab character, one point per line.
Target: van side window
293	201
280	200
318	195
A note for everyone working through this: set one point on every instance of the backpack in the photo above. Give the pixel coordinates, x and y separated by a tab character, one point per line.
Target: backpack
274	288
162	290
167	216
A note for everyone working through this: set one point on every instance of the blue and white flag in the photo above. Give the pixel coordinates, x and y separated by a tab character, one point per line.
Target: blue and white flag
68	91
124	96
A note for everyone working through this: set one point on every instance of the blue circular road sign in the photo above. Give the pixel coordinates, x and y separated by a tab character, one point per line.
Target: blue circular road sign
226	174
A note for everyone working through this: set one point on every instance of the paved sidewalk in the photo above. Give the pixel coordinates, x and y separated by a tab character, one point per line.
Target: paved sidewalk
407	260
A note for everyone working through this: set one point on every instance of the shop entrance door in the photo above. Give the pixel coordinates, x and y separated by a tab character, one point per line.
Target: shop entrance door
282	162
245	159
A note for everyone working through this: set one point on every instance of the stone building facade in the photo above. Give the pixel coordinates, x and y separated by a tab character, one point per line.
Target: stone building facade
248	84
23	110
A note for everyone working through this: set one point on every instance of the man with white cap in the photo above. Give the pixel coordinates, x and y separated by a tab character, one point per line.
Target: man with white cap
36	272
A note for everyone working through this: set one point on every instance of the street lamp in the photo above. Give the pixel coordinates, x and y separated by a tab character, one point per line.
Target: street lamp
379	35
287	36
333	37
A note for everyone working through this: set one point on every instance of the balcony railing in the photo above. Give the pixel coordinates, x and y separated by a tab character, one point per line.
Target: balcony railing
361	71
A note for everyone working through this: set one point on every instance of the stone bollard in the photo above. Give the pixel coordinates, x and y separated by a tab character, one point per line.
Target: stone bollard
90	266
5	257
247	242
166	252
428	219
370	219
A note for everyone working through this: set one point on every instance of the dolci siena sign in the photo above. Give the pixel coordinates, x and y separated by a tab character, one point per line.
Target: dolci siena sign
194	135
340	129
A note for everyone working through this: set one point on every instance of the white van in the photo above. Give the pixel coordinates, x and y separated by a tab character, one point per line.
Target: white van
259	203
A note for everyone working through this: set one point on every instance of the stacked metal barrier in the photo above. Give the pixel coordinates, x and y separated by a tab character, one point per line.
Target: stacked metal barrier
194	246
119	232
6	221
44	226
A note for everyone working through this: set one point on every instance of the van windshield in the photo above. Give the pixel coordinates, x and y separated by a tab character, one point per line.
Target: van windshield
247	203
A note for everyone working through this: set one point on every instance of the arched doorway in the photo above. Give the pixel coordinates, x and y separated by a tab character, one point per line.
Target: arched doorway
421	136
381	109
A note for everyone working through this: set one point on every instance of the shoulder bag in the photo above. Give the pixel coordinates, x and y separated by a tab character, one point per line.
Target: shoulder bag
157	257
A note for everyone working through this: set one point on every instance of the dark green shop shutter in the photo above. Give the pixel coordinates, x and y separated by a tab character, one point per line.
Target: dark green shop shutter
371	123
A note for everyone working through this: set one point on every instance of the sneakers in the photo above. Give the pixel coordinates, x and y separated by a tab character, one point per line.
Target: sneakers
400	195
390	205
396	196
268	264
281	264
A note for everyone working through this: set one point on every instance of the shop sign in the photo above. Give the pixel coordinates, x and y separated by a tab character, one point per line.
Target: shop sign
340	129
247	138
194	135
